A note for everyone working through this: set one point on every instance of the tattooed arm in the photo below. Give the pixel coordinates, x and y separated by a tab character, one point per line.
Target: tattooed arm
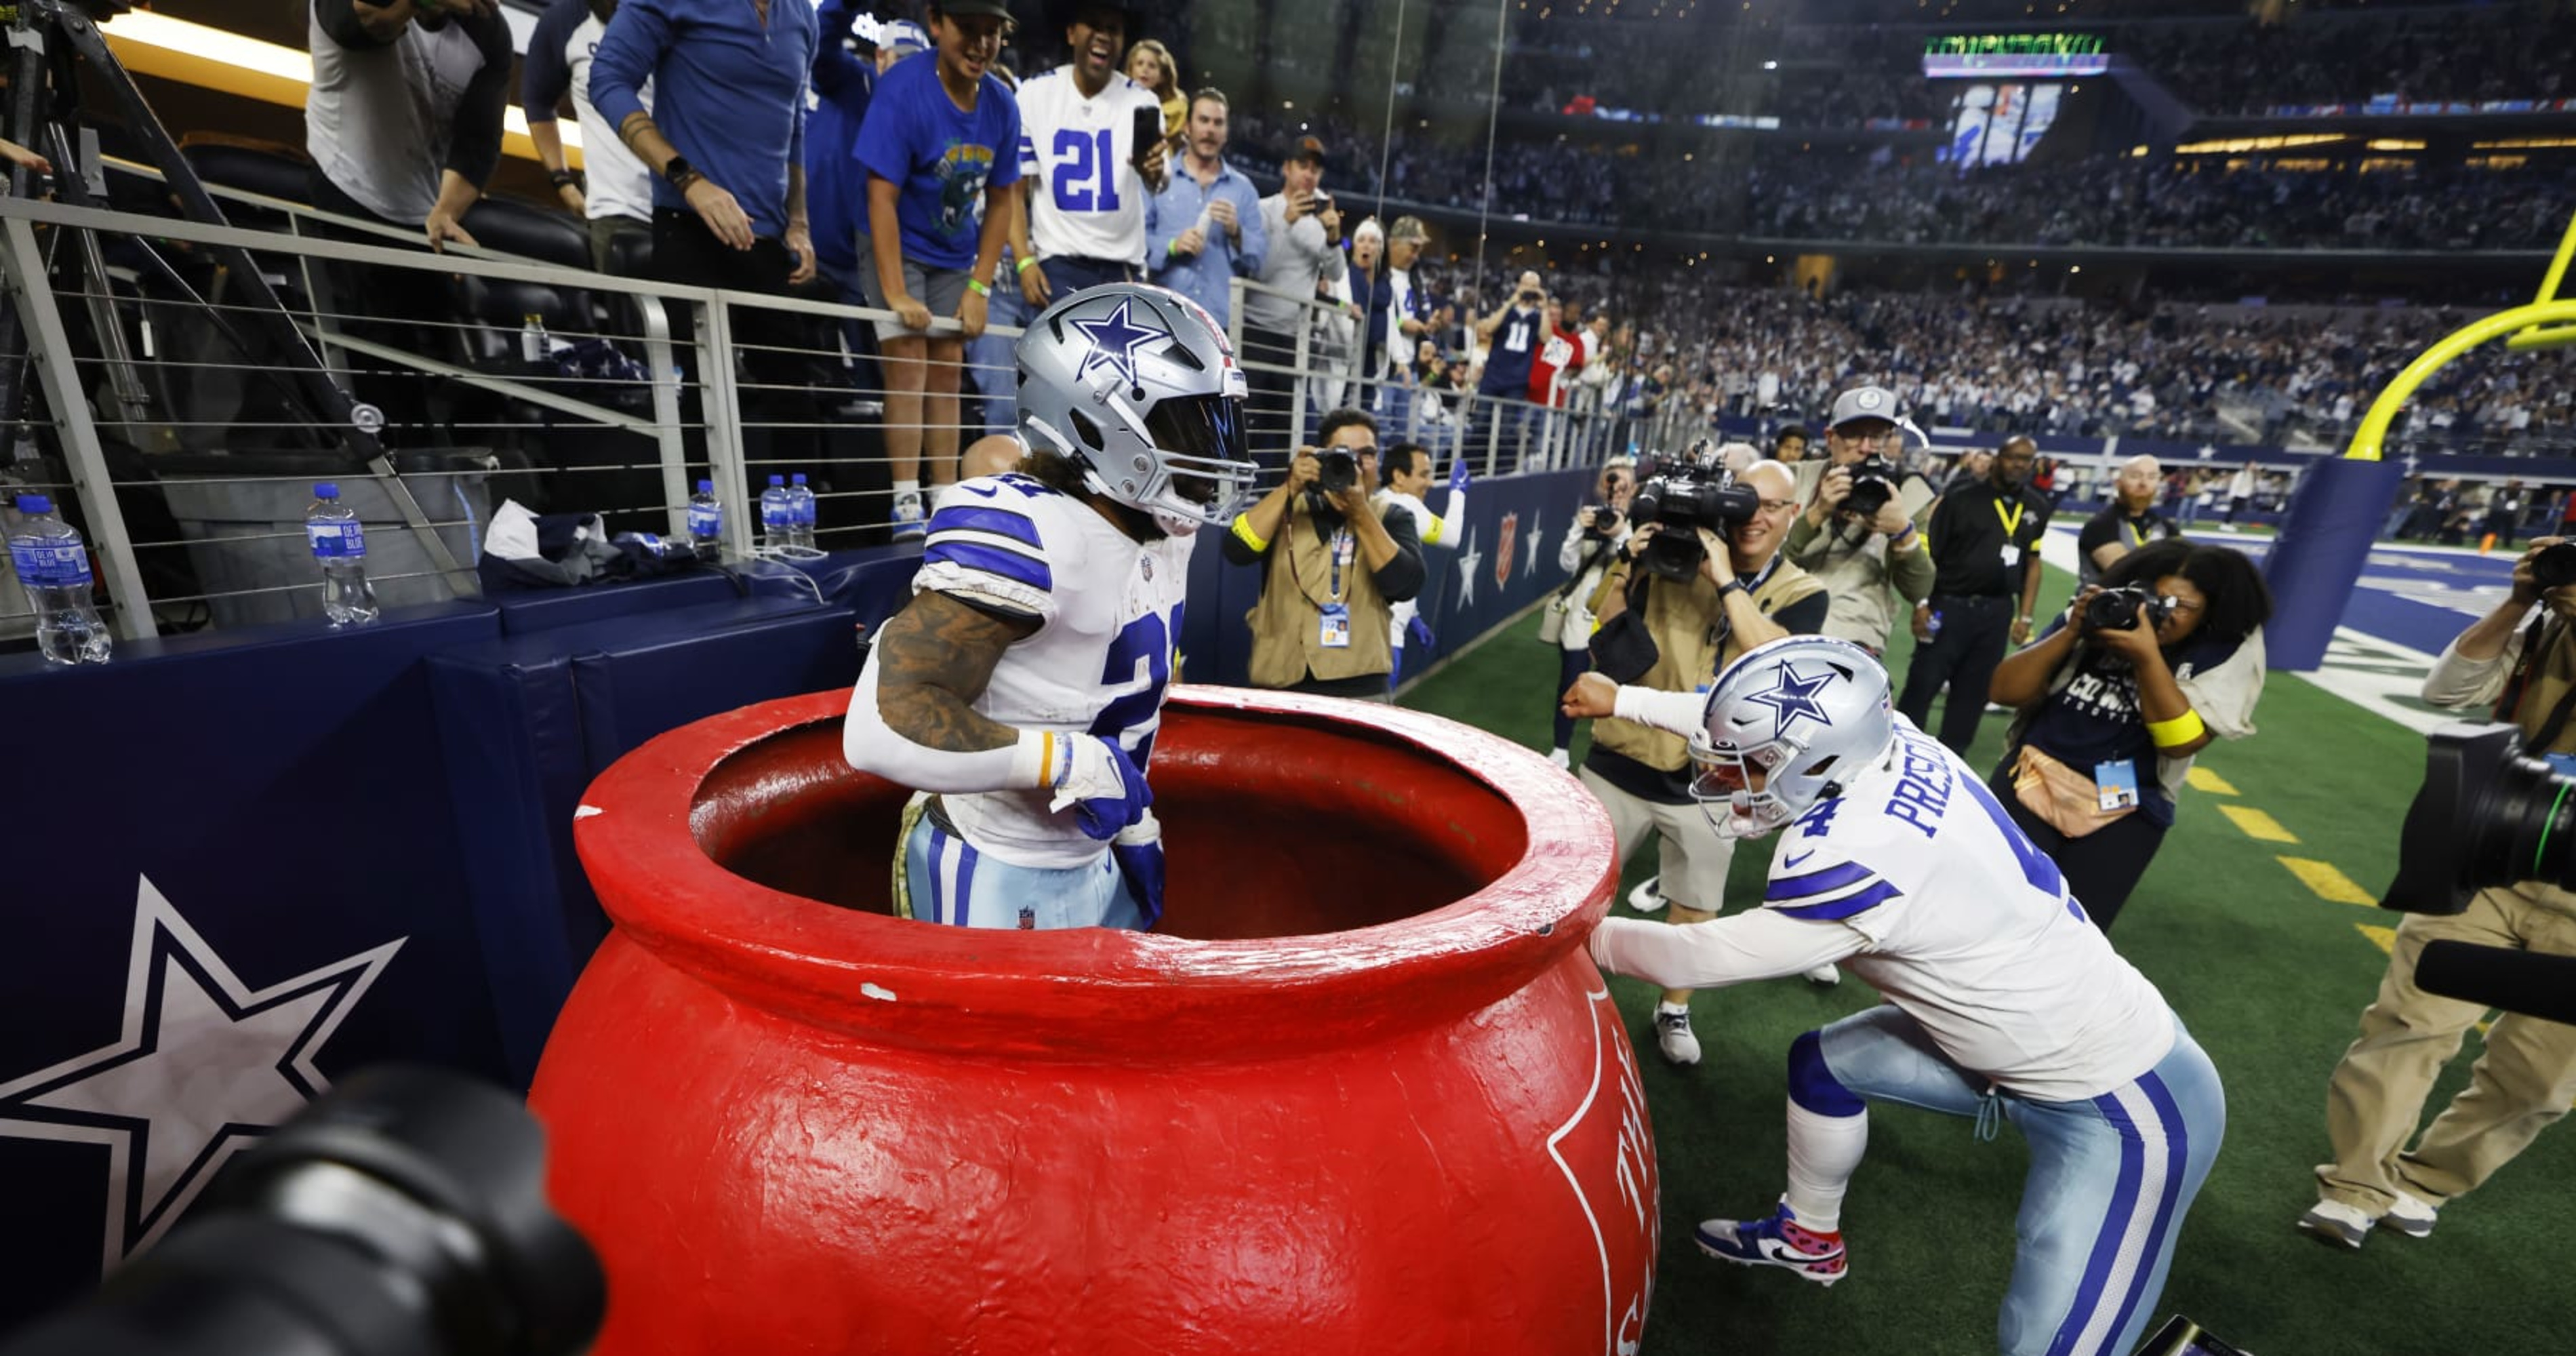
913	719
934	659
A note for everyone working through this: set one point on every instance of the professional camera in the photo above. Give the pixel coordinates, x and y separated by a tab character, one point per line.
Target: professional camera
1873	483
405	1211
2117	609
1683	501
2555	566
1338	469
2487	815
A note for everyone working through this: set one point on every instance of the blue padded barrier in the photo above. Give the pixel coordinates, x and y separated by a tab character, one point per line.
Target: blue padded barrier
283	790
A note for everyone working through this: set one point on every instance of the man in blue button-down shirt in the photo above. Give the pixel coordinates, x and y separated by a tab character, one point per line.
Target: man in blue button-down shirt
1205	226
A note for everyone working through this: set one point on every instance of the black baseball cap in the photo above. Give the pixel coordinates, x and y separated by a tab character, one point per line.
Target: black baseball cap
959	9
1309	150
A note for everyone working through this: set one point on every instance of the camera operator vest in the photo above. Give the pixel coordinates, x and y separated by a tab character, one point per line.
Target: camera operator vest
1693	643
1286	623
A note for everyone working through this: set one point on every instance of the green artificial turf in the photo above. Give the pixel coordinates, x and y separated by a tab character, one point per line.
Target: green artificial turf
2270	979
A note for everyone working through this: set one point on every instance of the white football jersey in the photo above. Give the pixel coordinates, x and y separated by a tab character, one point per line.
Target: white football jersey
1086	197
1970	930
1108	609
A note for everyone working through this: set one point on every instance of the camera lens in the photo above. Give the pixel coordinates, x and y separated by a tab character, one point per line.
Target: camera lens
2555	567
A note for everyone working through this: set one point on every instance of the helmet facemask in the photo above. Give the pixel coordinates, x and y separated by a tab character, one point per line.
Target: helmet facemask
1723	776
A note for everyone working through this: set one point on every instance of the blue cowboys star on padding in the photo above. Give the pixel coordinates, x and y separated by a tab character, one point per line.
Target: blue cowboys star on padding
1115	338
1793	698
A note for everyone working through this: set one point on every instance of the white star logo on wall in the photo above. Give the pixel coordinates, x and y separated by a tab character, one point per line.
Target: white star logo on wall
204	1067
1530	566
1468	560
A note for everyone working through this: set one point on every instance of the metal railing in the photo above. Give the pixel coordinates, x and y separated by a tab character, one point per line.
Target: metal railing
170	444
187	460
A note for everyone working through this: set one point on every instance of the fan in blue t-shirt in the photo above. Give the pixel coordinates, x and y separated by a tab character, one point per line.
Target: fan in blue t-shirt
940	144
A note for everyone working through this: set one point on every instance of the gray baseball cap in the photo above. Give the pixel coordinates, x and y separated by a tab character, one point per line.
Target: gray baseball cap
1863	402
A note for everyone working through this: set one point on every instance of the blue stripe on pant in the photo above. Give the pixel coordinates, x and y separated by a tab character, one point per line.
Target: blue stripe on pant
2110	1179
952	883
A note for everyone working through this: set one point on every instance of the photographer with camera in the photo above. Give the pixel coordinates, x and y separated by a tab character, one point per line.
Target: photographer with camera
1985	557
1855	537
2521	657
2142	671
1591	547
2128	522
1335	569
1700	580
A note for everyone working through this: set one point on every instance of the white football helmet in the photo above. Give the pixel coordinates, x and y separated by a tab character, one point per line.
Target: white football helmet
1138	384
1808	713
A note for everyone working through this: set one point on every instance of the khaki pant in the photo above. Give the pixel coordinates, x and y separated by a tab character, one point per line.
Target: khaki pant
2523	1082
1692	859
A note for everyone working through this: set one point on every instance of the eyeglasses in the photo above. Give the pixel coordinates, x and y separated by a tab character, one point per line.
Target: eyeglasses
1778	505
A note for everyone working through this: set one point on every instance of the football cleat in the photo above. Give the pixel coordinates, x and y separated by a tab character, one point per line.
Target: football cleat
1776	1241
1673	1036
1824	976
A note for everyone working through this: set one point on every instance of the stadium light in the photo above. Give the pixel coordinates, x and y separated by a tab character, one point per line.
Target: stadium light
217	59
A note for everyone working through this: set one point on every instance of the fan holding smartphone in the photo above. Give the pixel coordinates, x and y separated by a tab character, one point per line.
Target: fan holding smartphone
1091	151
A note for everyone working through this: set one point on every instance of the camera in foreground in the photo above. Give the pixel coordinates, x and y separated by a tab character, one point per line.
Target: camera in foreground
1682	502
2117	609
2555	566
2488	815
404	1212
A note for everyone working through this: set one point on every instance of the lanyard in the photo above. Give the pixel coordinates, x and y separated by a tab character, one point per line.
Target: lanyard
1340	549
2137	534
2012	523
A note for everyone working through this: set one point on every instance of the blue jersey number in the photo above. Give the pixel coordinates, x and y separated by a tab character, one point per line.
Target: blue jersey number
1087	181
2036	867
1139	667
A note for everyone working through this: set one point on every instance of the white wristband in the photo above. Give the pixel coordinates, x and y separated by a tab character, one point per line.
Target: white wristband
1036	760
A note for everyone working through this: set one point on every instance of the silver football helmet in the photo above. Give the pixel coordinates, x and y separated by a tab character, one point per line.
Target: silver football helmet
1138	385
1806	712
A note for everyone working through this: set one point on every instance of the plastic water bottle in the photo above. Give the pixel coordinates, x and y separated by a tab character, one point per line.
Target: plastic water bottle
777	515
706	523
53	567
534	347
803	499
340	547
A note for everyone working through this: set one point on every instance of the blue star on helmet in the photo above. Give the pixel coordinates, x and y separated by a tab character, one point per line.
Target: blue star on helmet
1115	338
1793	698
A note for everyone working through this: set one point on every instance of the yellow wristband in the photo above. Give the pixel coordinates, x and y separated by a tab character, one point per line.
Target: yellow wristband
1024	265
1243	530
978	288
2178	731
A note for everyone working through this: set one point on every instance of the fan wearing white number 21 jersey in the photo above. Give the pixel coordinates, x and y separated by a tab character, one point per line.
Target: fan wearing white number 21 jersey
1020	689
2005	1003
1079	157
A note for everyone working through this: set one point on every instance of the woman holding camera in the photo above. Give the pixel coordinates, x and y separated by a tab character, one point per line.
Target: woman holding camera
1600	528
2142	672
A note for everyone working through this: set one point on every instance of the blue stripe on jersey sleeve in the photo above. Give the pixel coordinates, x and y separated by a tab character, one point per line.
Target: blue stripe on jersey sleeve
1841	877
1027	571
1844	907
1001	522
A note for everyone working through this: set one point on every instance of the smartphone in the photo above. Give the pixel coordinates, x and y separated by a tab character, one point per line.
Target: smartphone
1149	129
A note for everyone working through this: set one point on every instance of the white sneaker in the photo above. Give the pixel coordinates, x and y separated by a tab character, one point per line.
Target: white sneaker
1646	898
2410	1217
2337	1223
1561	758
1673	1036
910	523
1824	976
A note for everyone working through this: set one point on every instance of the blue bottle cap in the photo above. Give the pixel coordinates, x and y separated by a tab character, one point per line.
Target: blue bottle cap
778	480
706	487
34	503
326	490
799	477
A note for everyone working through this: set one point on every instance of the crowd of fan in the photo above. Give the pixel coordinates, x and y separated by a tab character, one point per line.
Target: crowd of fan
2046	366
2500	52
2101	200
